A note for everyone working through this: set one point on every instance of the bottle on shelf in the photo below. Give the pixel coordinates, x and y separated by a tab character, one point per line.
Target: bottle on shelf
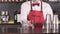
15	17
18	15
3	17
7	16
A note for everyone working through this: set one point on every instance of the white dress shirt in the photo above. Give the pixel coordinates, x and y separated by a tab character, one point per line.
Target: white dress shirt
26	7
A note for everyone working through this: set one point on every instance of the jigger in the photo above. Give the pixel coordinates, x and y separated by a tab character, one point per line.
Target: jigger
55	21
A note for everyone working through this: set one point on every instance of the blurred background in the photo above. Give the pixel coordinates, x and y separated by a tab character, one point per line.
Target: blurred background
15	5
11	6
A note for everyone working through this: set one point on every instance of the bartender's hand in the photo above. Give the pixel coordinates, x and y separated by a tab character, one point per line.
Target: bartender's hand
29	23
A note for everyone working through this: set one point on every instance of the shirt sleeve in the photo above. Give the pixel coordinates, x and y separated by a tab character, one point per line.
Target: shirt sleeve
49	11
24	12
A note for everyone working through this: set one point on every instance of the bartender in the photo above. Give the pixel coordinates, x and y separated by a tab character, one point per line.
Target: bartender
37	7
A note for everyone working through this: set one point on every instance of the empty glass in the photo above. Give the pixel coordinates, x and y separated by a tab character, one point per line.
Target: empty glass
48	23
55	21
25	28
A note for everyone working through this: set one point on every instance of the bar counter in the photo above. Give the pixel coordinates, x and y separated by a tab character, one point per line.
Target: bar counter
18	29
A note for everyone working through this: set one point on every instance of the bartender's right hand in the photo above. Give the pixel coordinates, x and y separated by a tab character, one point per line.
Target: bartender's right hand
29	23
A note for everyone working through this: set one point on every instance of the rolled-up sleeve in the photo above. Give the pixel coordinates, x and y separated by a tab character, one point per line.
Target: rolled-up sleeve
24	12
49	10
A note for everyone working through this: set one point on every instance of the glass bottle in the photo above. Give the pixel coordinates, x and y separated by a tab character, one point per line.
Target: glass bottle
7	16
3	17
18	15
15	17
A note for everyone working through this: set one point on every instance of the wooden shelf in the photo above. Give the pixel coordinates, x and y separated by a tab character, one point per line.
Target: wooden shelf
9	0
51	1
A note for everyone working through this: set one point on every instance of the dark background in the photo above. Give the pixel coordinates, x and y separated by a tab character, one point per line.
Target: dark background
11	7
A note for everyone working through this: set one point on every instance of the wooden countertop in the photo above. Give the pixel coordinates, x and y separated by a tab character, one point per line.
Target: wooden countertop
9	22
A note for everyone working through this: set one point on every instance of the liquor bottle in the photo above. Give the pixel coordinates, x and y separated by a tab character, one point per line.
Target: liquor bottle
18	15
3	17
7	16
15	17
